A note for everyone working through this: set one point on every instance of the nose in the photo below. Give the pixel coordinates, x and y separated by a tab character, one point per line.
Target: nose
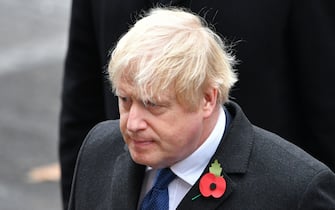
136	118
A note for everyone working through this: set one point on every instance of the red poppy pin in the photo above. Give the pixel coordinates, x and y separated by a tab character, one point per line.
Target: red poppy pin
212	183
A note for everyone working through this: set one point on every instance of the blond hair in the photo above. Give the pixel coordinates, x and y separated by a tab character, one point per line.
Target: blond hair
171	47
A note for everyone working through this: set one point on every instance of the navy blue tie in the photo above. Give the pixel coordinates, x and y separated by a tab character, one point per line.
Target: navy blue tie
158	197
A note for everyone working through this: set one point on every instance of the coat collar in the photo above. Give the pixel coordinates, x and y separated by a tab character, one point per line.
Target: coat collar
235	148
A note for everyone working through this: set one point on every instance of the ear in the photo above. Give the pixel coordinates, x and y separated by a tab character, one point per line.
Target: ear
209	101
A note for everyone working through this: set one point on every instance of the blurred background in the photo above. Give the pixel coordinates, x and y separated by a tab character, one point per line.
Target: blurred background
33	37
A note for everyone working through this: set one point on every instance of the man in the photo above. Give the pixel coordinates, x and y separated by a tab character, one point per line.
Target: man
172	75
285	50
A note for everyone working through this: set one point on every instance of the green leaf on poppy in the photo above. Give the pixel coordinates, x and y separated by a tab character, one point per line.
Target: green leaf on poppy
215	168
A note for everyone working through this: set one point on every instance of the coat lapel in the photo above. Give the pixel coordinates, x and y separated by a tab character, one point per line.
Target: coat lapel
233	153
127	182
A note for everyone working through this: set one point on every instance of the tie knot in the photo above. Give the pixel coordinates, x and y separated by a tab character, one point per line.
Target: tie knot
164	177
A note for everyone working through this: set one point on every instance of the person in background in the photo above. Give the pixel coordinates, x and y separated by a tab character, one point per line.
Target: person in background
180	142
285	50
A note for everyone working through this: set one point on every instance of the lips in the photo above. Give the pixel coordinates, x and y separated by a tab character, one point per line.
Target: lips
144	142
141	143
138	141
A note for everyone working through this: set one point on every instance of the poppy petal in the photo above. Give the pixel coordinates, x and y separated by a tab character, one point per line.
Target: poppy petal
205	183
220	187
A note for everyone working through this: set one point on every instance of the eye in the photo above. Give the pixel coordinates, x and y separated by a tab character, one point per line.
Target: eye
124	102
154	107
123	99
150	104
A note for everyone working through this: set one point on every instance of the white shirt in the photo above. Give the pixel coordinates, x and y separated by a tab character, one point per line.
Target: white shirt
188	170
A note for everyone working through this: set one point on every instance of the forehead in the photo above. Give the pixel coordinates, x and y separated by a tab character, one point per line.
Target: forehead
124	88
131	89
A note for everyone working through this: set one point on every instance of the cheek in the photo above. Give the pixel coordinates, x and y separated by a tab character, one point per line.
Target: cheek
186	137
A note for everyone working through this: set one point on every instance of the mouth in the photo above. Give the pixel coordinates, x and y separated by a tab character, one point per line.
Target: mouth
142	142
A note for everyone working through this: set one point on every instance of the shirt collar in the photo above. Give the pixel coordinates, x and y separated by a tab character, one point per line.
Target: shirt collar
192	167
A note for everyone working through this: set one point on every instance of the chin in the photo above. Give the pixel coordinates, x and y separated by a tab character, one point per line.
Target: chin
139	158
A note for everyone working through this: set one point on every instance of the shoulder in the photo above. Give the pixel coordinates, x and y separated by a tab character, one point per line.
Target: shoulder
280	151
103	137
96	159
287	175
100	149
102	145
268	148
310	181
104	130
